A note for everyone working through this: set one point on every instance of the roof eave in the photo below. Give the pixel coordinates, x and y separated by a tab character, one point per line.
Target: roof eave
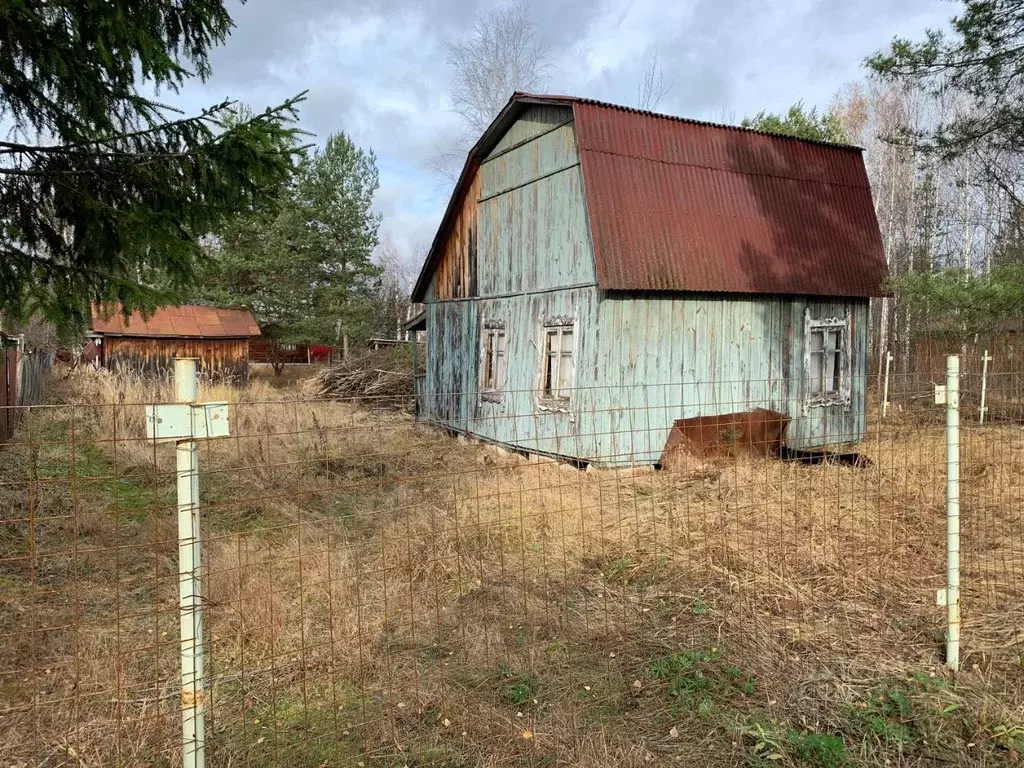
122	335
417	322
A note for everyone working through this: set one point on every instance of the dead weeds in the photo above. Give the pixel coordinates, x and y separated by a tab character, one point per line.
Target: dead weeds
379	593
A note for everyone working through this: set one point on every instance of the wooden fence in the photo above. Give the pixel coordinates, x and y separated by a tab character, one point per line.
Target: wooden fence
21	384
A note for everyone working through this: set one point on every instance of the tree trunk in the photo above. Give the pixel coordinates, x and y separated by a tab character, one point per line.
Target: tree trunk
968	232
883	324
914	220
276	357
398	315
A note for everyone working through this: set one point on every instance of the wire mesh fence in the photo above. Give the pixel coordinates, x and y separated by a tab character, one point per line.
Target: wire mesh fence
379	590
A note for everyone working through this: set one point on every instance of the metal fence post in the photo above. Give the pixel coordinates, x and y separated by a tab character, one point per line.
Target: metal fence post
193	705
885	387
985	358
953	511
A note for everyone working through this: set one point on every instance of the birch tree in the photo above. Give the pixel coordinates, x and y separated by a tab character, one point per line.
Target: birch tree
502	53
983	61
393	302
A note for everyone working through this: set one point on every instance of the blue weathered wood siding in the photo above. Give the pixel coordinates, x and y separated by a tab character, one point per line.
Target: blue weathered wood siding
667	358
642	361
534	260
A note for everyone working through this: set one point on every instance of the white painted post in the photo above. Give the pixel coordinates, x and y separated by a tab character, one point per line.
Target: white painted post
984	386
193	704
185	423
885	387
953	511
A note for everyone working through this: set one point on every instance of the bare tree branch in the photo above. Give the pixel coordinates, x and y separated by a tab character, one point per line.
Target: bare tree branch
652	88
446	163
501	55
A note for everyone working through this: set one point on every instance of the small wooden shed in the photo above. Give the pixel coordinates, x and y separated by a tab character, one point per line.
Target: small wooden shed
602	273
218	338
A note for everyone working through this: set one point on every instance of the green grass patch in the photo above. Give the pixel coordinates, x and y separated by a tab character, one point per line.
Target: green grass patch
84	466
885	714
923	715
823	750
772	744
292	733
699	606
699	681
898	713
519	689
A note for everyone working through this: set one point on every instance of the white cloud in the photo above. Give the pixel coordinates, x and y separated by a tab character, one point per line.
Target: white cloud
376	69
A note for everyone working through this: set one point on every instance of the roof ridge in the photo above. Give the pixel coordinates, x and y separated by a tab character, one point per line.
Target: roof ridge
526	96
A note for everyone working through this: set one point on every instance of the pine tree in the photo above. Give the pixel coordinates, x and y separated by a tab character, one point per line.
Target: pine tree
104	193
302	261
799	122
983	60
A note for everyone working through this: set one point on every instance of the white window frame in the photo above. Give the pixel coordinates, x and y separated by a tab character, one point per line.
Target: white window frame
554	327
842	395
493	361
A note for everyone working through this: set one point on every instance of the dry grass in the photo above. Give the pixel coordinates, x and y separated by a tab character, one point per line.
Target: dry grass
380	593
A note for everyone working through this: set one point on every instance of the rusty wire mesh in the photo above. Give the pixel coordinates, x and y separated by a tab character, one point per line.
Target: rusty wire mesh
379	591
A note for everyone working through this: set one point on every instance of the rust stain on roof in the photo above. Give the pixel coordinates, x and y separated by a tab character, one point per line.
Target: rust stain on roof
677	205
683	205
186	321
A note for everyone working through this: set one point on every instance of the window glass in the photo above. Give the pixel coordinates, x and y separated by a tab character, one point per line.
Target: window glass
828	360
493	366
565	366
499	365
814	374
558	362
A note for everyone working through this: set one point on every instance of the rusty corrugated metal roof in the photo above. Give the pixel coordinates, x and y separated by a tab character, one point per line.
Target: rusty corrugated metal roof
678	205
180	322
682	205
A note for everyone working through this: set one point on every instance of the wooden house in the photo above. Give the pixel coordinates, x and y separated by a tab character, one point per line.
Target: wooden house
218	338
601	273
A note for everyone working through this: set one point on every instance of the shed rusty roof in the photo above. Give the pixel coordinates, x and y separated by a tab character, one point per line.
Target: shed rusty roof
186	321
682	205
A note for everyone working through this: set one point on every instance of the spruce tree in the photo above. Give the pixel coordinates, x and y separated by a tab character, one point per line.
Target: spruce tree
105	194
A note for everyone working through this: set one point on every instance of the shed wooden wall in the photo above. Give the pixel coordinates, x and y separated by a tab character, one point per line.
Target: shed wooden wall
456	275
218	358
533	260
642	361
669	358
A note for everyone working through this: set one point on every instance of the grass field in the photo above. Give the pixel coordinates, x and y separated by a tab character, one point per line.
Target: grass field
380	594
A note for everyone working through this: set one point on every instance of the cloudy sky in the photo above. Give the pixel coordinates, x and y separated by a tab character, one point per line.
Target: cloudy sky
376	68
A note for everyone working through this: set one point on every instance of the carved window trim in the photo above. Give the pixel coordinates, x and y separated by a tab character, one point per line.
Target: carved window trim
842	394
493	361
557	363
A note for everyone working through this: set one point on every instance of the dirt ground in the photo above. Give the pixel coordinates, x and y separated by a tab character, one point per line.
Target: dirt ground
380	594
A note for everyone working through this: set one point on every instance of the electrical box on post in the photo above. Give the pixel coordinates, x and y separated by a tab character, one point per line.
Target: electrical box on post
187	421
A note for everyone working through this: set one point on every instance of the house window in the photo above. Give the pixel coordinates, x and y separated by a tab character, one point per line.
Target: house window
494	362
559	367
827	360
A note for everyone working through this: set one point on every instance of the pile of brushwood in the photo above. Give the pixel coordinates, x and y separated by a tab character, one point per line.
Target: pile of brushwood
380	379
